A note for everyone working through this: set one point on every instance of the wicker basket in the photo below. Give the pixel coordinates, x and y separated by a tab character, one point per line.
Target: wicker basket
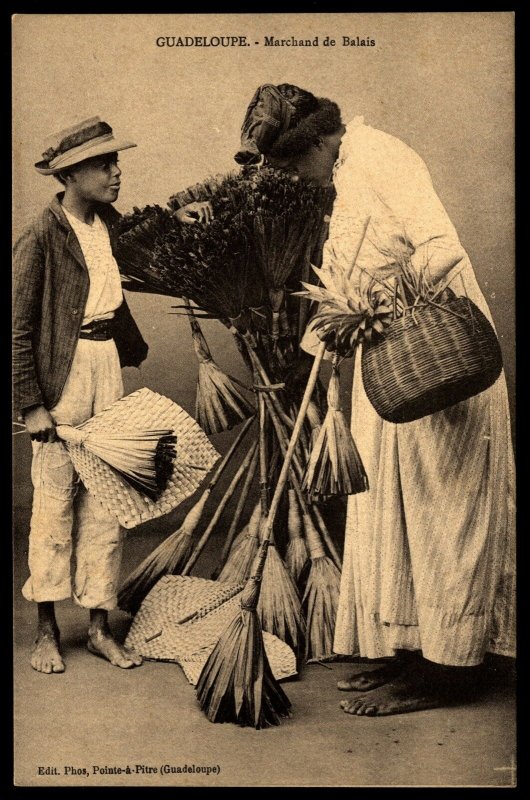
431	359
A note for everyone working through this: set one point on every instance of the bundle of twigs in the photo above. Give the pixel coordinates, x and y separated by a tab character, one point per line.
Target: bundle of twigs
169	557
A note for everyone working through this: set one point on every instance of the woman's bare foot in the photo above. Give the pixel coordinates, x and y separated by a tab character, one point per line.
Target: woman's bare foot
417	688
372	679
45	653
104	645
366	681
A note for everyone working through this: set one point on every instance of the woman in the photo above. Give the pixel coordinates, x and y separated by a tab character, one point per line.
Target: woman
428	571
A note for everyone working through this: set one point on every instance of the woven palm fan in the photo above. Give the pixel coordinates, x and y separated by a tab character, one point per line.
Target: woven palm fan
182	618
140	411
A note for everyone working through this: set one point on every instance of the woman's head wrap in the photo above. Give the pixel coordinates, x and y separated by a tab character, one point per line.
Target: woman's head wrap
271	112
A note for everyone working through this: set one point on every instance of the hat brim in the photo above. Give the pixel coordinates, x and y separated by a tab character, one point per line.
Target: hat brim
101	149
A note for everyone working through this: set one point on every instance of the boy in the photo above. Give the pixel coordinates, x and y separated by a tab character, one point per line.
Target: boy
72	332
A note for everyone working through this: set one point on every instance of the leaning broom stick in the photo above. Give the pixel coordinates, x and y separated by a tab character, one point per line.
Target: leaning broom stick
243	497
171	553
197	550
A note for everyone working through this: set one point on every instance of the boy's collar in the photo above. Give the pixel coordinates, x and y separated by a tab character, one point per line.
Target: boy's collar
107	212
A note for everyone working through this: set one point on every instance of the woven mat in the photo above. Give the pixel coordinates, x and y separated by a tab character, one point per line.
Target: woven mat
156	635
145	409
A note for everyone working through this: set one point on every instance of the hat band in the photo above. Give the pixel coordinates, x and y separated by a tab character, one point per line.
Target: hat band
56	162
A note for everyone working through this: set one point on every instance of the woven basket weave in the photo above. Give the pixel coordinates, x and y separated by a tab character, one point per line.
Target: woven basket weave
155	634
145	409
430	360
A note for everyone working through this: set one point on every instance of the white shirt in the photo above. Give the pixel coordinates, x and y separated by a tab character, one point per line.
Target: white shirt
105	293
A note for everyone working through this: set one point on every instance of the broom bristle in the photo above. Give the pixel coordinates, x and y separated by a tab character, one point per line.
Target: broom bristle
236	683
220	404
279	606
243	552
335	466
296	554
319	603
296	557
166	559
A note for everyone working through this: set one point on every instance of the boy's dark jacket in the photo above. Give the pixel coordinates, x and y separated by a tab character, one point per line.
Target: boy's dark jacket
50	290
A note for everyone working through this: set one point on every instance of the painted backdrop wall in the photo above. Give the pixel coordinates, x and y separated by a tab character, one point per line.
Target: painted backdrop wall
442	82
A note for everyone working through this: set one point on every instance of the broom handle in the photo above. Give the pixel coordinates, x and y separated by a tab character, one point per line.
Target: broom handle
230	452
263	466
296	465
284	472
240	504
218	511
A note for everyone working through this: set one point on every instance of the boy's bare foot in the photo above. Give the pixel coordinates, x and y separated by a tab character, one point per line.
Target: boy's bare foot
102	643
45	653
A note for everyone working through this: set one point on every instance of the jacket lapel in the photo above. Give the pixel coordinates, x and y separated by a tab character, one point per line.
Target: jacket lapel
72	243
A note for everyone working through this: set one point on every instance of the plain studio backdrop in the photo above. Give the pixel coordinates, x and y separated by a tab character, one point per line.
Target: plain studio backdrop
441	82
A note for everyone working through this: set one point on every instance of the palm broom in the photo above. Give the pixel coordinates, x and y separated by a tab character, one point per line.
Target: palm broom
334	466
320	598
144	458
279	606
219	402
168	557
323	581
236	683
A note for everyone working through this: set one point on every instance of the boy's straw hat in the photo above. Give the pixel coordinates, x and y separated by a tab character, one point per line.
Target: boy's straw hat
87	139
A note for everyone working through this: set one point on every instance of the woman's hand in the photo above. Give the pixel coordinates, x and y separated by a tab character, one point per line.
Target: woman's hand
40	424
195	212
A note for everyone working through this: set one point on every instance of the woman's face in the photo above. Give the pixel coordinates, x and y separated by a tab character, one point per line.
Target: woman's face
315	165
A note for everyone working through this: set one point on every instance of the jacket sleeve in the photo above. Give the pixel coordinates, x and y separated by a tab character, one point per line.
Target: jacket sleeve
28	271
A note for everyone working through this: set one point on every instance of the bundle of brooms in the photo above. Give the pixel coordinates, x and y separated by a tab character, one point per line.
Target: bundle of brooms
233	270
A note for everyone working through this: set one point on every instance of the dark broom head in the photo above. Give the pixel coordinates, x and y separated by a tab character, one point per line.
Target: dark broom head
236	683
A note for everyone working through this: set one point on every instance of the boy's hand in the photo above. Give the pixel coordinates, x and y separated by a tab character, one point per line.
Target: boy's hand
195	212
40	424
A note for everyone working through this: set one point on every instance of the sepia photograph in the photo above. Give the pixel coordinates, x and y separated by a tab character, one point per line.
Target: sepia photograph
263	399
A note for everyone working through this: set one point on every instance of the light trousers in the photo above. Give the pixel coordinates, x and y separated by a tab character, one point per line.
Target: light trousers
68	523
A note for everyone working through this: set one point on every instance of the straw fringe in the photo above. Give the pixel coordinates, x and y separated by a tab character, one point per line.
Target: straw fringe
236	683
243	553
335	466
279	606
296	554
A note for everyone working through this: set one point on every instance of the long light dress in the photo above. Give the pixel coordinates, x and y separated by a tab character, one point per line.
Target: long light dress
429	558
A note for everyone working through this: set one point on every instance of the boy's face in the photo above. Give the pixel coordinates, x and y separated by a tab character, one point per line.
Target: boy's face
97	179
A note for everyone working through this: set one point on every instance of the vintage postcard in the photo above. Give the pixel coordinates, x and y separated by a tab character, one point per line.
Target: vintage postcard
348	620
